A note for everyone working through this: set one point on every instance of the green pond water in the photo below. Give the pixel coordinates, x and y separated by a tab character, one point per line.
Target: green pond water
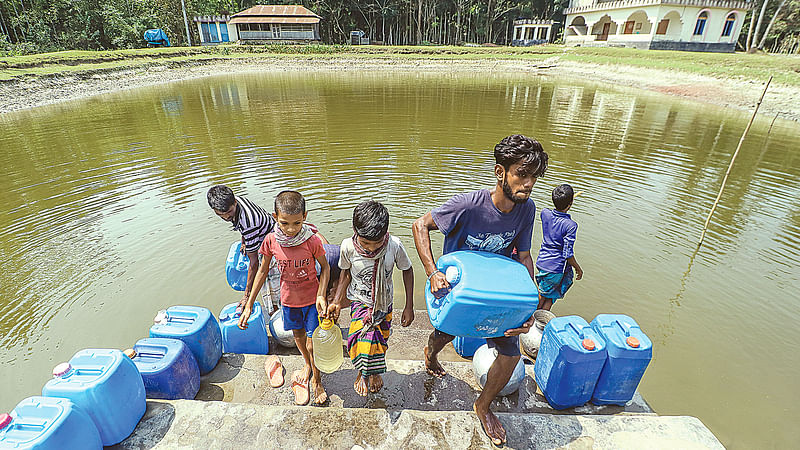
103	217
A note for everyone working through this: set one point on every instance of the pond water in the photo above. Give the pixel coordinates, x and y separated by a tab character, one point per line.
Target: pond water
103	217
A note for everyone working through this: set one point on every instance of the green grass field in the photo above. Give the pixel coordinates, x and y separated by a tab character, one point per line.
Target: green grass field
785	69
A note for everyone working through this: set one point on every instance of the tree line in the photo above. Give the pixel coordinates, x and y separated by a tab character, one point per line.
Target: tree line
36	26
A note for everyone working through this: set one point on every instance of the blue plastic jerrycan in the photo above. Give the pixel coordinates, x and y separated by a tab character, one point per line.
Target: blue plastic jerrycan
488	295
197	328
106	385
629	352
253	340
466	346
168	368
48	423
569	362
236	267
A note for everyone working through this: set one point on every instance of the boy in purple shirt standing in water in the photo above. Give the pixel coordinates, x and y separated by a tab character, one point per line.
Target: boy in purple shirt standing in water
497	221
556	257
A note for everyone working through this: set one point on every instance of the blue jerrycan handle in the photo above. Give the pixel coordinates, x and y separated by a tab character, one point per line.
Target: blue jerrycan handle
438	302
236	313
626	330
577	331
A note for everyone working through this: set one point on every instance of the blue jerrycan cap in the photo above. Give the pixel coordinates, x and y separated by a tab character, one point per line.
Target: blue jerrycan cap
161	318
452	275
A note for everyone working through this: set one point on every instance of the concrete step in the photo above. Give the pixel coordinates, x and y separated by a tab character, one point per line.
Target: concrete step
219	425
242	379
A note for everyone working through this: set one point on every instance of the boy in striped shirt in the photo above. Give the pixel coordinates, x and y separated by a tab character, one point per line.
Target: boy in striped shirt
254	223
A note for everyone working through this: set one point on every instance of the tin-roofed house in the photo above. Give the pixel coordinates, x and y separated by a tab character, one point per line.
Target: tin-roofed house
276	23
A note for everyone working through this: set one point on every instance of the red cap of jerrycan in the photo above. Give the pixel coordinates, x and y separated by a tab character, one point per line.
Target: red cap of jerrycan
632	341
588	344
61	369
5	419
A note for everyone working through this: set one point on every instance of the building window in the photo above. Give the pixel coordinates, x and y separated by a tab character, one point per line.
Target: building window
727	29
662	26
206	34
213	28
223	31
244	26
700	26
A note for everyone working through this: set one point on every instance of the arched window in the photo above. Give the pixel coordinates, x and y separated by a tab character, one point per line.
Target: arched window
700	26
730	21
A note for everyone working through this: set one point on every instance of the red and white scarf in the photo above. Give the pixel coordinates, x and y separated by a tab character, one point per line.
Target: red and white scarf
305	234
381	296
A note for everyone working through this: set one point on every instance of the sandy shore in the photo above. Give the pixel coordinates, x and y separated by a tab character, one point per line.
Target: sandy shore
31	92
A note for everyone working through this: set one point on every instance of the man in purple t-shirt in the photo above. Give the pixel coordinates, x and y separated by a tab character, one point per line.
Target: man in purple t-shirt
495	221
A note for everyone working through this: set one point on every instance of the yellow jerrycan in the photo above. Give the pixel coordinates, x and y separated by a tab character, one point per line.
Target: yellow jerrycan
327	339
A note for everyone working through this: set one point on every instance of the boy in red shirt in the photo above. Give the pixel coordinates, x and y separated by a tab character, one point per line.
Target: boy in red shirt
295	246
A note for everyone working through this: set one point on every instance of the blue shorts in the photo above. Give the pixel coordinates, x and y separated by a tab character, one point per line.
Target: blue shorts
554	285
305	317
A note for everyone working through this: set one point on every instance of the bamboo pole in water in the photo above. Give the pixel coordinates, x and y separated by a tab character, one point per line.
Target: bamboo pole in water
772	123
730	166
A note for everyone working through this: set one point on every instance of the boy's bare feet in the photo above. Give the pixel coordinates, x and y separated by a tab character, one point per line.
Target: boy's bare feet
375	383
305	374
432	365
320	396
491	425
360	385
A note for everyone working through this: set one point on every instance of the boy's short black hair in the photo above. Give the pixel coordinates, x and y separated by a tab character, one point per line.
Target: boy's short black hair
290	202
562	196
220	198
371	220
521	149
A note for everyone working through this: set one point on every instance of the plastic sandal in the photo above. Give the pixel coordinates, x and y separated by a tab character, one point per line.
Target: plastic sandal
274	370
300	389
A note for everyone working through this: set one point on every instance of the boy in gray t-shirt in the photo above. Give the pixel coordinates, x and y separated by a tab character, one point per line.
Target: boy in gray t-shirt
367	261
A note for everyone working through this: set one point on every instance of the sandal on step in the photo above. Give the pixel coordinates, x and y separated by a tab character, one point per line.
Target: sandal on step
274	370
300	389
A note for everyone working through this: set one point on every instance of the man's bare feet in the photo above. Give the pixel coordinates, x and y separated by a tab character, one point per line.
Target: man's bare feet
491	426
375	383
320	396
360	385
432	365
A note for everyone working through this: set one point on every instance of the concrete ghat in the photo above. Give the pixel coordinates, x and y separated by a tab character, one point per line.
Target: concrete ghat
236	408
220	425
242	379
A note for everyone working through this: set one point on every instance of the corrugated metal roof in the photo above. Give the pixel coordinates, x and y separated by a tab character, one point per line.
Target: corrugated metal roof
209	19
277	10
262	19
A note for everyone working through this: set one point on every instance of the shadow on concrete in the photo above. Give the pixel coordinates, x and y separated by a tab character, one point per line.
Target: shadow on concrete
210	392
400	391
155	424
537	431
227	368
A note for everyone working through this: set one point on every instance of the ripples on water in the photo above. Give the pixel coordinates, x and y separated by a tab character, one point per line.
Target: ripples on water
103	218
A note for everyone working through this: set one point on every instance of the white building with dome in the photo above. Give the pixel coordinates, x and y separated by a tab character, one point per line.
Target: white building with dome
694	25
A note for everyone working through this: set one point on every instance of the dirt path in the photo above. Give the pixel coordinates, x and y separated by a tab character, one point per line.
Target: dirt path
36	91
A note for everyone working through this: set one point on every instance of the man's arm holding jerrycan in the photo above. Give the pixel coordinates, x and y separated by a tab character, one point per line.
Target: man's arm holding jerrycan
527	261
421	230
